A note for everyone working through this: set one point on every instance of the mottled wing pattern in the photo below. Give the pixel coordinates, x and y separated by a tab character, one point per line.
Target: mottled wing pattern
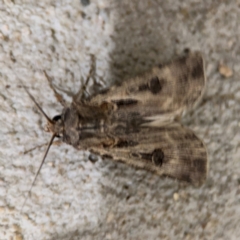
172	150
124	130
164	92
119	123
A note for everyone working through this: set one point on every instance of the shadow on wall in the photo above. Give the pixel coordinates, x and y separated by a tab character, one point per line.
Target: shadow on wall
142	37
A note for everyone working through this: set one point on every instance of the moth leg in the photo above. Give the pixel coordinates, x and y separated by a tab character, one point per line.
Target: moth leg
58	96
80	94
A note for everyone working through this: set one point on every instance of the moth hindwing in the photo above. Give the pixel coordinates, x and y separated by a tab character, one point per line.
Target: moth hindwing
135	122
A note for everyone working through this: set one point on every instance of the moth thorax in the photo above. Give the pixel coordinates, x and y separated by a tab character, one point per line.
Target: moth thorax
93	126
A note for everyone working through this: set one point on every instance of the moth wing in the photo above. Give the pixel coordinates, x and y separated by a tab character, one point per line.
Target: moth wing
172	150
164	92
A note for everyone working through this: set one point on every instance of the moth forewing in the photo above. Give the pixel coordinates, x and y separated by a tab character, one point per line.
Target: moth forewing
170	150
165	91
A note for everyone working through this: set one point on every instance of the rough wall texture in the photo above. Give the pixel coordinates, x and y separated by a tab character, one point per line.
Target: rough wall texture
74	198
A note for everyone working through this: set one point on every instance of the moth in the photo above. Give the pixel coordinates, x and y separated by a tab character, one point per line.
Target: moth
137	121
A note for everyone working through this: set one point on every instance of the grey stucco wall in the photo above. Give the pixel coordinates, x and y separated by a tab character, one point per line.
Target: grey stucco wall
74	198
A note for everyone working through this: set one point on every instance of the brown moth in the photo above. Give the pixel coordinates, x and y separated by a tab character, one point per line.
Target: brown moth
136	122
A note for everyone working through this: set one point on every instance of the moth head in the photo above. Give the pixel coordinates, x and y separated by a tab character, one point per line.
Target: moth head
55	126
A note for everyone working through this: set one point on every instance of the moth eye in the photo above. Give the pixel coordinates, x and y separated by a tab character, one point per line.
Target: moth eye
155	85
56	118
157	157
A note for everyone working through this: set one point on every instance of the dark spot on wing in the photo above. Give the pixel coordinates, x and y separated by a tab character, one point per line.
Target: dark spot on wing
125	102
197	71
125	143
107	156
157	157
155	85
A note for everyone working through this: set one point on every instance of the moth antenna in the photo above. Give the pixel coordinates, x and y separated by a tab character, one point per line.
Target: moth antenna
32	149
39	169
38	106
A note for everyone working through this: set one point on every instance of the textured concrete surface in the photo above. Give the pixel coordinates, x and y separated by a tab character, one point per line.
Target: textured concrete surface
74	198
